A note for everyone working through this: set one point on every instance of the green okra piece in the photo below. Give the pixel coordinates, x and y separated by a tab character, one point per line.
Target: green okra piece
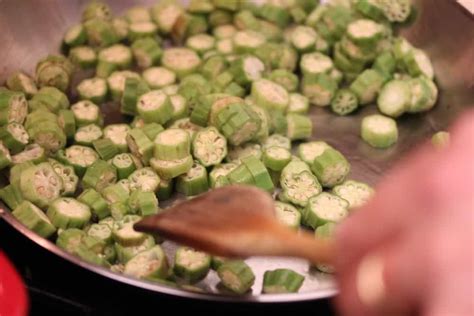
97	204
331	167
99	175
40	185
68	176
287	214
124	234
276	158
11	195
355	192
140	145
79	157
33	217
209	146
194	181
14	137
282	281
68	213
87	134
21	82
191	265
151	263
172	144
144	203
236	276
324	208
379	131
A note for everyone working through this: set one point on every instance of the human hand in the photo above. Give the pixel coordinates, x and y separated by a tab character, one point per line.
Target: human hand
420	228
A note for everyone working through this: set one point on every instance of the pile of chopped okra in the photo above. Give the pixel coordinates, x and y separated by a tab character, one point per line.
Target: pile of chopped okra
214	93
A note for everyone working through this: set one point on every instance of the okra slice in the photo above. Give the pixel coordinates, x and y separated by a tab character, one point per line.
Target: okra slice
260	174
299	187
344	63
49	98
331	167
371	9
117	134
440	139
303	38
310	150
119	209
79	157
182	61
67	175
93	89
276	158
141	30
144	203
54	71
270	95
115	193
165	189
200	43
32	152
246	20
86	112
225	47
96	10
99	175
84	57
14	107
278	141
105	148
247	69
418	63
70	239
134	88
344	102
19	81
180	107
299	126
367	86
284	78
110	59
396	11
236	153
124	164
40	184
238	123
116	82
213	66
319	89
385	63
299	104
265	123
287	214
125	253
101	232
365	32
394	98
151	263
140	145
33	217
172	144
97	204
218	18
124	234
144	179
194	181
68	213
75	35
87	134
5	157
326	231
168	169
219	102
11	195
220	171
209	147
247	41
236	276
151	130
158	77
240	175
224	31
67	122
282	281
355	192
379	131
423	97
314	64
155	106
14	137
325	208
191	265
146	50
165	14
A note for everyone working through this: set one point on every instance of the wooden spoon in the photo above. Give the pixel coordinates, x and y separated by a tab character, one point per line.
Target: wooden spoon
235	221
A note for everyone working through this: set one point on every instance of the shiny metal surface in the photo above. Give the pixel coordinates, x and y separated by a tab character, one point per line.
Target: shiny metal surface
30	29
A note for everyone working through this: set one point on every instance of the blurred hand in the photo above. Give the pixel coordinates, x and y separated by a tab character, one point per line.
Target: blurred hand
421	225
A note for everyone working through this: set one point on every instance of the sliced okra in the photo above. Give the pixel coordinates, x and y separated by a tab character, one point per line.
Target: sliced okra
75	35
67	122
224	31
240	175
371	9
225	46
117	134
79	157
151	263
158	77
319	89
344	102
40	184
299	126
299	187
265	123
379	131
331	167
278	141
54	71
282	281
324	208
187	125
11	195
118	210
236	153
394	98
133	90
191	265
124	164
151	130
124	234
84	57
33	217
141	30
396	11
287	214
146	51
93	89
261	177
194	181
303	38
13	106
155	106
68	213
245	19
125	253
200	43
247	69
14	137
19	81
220	171
100	231
116	82
276	158
87	134
182	61
355	192
326	231
314	64
367	86
165	15
386	64
86	112
115	193
440	139
247	41
270	95
238	123
423	94
112	58
99	175
97	204
165	189
140	145
219	18
49	98
68	176
365	32
172	144
32	152
105	148
209	146
144	179
299	104
285	78
144	203
310	150
236	276
418	63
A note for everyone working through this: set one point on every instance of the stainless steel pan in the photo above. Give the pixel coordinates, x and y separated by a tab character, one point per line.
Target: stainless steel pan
30	29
